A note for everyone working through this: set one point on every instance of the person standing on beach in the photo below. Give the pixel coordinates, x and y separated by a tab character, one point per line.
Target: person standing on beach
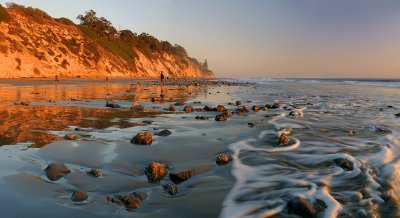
162	78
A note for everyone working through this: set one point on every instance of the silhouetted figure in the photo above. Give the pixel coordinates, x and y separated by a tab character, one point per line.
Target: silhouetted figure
162	78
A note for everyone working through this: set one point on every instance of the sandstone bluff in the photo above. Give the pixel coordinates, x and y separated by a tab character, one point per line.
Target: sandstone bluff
35	45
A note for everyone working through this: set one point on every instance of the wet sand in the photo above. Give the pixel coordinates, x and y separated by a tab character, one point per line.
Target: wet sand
333	145
35	117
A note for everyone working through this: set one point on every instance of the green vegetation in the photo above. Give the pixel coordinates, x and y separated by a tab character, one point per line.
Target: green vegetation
115	46
123	43
4	16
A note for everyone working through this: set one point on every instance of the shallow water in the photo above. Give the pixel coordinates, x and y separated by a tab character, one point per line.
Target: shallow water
267	177
259	182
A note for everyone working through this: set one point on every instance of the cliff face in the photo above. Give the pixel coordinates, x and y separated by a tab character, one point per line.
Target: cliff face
48	47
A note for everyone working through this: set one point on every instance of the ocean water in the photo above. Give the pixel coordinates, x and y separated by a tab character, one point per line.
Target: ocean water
268	176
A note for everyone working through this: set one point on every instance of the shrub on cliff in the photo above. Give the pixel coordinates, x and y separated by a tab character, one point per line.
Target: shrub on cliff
34	13
4	16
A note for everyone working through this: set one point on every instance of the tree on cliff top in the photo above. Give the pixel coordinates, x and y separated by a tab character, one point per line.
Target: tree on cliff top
100	25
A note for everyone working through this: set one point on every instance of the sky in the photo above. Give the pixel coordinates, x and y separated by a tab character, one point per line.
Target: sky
263	38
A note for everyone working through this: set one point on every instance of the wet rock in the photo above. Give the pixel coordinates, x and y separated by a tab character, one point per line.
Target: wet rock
155	171
164	133
137	107
350	132
130	202
139	195
208	108
71	137
242	110
153	99
79	196
296	113
171	108
22	103
381	130
111	104
344	164
221	117
55	171
201	118
256	108
397	115
181	176
223	159
172	189
147	122
227	113
238	103
220	108
251	124
274	106
283	139
188	109
142	138
95	173
301	207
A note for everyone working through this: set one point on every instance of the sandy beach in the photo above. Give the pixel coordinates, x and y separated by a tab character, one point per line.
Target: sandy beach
284	141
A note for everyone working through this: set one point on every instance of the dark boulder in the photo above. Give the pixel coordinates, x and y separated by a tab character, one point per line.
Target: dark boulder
223	159
283	139
227	113
221	117
238	103
139	195
256	108
181	176
79	196
55	171
155	171
95	173
220	108
172	189
164	133
142	138
201	118
111	104
188	109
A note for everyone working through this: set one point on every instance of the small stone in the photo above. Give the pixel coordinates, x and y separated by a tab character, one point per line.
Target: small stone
276	106
296	113
111	104
131	202
139	195
55	171
227	113
147	122
79	196
251	124
256	108
221	117
220	108
238	103
95	173
142	138
397	115
201	118
181	176
283	139
350	132
137	107
207	108
155	171
223	159
171	108
164	133
301	207
188	109
153	99
71	137
344	164
171	188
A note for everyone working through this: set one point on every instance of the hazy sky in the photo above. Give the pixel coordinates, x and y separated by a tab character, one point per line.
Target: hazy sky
269	38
